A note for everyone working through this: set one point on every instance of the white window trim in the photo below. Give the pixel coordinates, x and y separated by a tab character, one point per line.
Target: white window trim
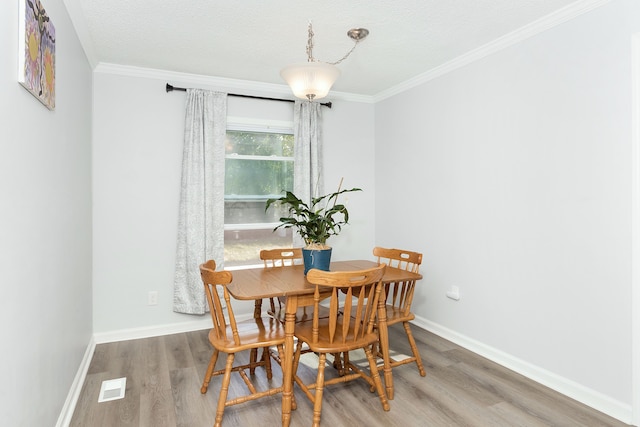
252	157
259	125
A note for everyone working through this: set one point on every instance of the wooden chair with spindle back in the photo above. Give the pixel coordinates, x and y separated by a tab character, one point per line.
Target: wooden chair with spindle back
274	258
355	294
231	337
399	296
287	257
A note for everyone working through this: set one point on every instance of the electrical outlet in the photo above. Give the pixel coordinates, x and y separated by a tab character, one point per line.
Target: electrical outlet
153	298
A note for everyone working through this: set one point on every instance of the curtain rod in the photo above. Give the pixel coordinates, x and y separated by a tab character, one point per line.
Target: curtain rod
171	88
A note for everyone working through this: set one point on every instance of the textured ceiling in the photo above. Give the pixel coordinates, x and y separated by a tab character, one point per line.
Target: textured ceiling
253	39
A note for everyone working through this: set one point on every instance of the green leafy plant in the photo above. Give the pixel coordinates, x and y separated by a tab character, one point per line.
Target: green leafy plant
315	223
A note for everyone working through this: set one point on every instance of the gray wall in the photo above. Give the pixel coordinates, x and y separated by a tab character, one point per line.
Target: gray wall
45	227
137	160
514	173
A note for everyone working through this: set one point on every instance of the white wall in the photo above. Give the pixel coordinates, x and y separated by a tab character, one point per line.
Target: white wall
45	227
513	176
137	156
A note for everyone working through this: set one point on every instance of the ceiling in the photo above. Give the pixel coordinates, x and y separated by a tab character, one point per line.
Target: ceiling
253	39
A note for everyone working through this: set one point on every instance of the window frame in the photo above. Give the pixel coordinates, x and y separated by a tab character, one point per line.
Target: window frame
241	124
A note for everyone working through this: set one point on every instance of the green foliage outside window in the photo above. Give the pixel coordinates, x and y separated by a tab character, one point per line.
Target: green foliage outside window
258	166
269	170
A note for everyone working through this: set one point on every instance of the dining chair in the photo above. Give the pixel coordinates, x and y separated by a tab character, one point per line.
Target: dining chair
277	258
274	258
282	258
399	296
231	337
354	293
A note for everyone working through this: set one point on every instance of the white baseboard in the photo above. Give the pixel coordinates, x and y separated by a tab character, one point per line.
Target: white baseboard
121	335
76	387
582	394
152	331
204	322
589	397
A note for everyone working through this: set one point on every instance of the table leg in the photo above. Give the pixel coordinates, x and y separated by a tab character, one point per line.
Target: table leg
287	360
384	347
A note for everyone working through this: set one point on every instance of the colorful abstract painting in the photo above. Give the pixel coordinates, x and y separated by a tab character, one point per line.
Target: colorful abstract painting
37	52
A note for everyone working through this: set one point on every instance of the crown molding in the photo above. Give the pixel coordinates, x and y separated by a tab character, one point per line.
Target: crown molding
270	89
543	24
245	87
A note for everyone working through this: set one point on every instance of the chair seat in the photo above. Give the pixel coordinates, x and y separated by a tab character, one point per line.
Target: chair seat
395	315
303	314
304	332
253	333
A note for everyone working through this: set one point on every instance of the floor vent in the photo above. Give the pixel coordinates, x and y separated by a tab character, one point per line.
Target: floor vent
112	389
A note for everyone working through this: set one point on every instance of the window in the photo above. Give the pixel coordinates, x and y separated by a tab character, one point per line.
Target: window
258	166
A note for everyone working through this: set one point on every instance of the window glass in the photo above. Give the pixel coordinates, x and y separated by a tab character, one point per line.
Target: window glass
258	166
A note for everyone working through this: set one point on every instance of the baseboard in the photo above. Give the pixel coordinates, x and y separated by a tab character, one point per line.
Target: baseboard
582	394
76	387
120	335
589	397
152	331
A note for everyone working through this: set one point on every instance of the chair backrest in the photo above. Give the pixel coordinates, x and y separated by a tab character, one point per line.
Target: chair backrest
352	314
398	258
281	257
400	294
212	280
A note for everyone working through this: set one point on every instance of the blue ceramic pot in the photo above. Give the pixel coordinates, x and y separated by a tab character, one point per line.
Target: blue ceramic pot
316	258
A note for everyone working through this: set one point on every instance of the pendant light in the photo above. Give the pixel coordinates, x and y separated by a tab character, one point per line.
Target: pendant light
312	80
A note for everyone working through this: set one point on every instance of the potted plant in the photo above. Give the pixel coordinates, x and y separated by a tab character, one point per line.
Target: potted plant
315	223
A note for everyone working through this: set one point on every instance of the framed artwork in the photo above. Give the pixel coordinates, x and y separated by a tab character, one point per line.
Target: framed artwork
37	52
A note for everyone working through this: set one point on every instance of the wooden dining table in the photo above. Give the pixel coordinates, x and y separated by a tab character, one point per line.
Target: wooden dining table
290	282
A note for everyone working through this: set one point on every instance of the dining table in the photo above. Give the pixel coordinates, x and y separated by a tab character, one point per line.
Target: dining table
290	282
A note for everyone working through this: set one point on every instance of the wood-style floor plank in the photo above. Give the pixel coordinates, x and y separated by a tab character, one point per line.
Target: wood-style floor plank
164	375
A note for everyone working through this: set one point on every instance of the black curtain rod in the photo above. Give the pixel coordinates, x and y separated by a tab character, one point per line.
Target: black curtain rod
171	88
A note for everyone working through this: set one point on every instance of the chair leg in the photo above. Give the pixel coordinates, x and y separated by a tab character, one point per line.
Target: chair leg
253	360
376	379
317	402
266	360
337	364
280	348
414	348
207	376
224	390
374	353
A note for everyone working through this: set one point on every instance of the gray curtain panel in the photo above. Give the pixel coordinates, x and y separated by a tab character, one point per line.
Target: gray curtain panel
308	179
201	210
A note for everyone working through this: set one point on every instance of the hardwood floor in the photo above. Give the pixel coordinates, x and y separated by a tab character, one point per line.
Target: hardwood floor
164	375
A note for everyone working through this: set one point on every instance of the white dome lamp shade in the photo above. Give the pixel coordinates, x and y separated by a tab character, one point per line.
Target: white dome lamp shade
310	80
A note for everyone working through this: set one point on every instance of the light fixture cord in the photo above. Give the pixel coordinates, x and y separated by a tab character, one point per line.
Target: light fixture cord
346	55
310	57
310	44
